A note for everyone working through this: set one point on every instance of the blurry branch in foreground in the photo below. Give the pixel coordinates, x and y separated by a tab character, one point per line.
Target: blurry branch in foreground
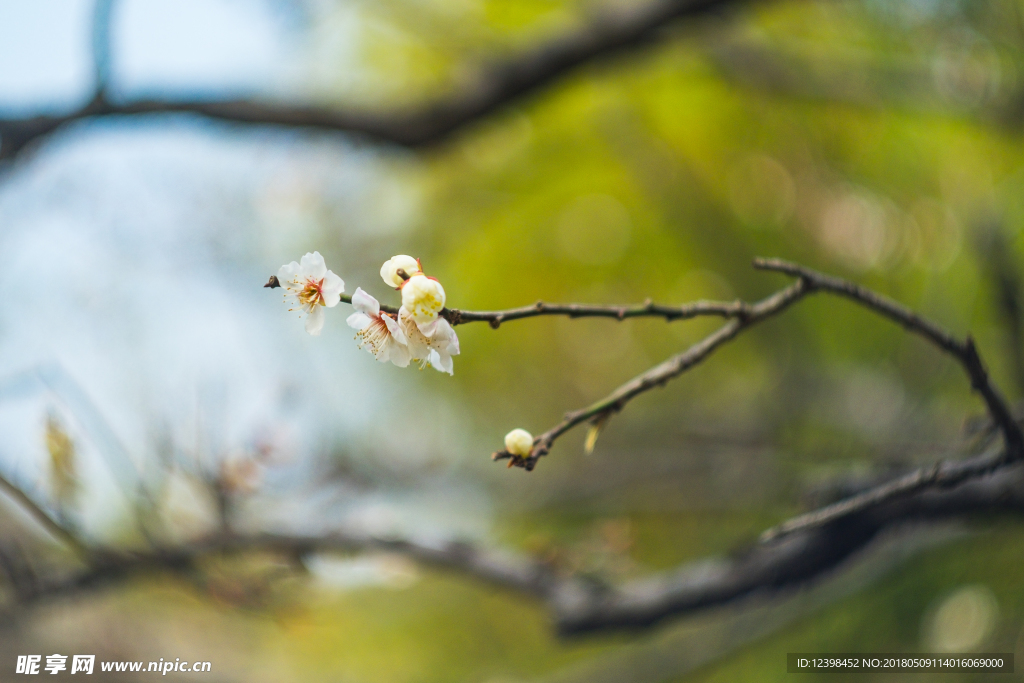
577	604
499	86
52	526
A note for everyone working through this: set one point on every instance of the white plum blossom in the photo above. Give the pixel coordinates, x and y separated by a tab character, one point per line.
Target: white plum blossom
436	349
519	442
407	264
377	331
310	287
423	298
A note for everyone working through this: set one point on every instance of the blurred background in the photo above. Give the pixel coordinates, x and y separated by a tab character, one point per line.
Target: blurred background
874	140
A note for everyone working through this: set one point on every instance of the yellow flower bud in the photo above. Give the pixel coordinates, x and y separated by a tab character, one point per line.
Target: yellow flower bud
389	271
519	442
423	298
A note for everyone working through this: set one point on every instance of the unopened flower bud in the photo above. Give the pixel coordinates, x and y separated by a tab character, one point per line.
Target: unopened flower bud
519	442
389	271
423	298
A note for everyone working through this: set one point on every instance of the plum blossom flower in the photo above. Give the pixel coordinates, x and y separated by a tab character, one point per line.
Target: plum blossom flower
310	287
407	264
377	331
519	442
423	298
436	349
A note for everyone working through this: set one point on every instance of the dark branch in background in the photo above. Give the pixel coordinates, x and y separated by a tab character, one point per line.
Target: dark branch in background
500	86
999	262
785	563
580	605
945	474
37	513
101	46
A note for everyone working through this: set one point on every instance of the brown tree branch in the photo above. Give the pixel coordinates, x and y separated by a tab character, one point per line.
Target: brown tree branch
789	555
944	474
784	563
963	350
493	567
581	605
500	86
660	374
648	309
808	281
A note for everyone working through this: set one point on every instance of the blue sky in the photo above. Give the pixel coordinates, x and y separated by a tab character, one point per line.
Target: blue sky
183	47
134	252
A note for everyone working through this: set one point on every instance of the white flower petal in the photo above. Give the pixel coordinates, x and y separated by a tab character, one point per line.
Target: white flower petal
389	271
446	334
331	289
315	320
442	362
313	266
364	303
359	320
288	276
395	329
427	328
400	355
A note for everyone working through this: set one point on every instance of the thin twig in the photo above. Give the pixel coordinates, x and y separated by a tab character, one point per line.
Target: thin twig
964	351
808	281
648	309
660	374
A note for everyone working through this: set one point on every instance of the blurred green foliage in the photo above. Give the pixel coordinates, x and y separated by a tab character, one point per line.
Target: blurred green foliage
872	140
877	141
